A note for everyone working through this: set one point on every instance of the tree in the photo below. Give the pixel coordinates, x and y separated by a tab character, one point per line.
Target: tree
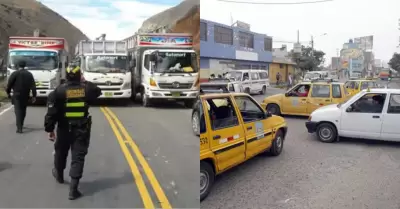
309	59
394	63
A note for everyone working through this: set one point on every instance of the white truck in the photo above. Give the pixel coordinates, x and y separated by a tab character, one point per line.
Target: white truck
45	58
165	67
106	64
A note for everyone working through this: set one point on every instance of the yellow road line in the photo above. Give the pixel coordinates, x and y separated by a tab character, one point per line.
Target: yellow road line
162	198
144	193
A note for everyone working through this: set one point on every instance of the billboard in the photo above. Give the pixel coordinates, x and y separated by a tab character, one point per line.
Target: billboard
365	43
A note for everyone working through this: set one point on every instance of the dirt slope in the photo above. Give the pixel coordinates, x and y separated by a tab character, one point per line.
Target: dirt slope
190	24
21	17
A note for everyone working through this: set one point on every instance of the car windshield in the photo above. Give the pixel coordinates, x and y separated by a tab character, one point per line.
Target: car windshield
35	60
234	76
174	62
106	63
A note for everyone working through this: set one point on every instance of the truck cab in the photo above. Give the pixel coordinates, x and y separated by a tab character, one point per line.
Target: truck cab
45	58
165	68
106	64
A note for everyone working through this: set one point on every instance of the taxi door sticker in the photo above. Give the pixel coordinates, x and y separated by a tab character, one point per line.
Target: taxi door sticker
229	139
295	102
259	130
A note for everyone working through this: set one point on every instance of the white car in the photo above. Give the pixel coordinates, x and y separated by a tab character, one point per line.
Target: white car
370	114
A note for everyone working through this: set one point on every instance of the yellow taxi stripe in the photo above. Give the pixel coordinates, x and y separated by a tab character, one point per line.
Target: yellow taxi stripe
74	114
75	104
162	198
144	193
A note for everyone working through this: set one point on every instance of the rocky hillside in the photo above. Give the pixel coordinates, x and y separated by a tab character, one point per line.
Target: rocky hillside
183	18
22	17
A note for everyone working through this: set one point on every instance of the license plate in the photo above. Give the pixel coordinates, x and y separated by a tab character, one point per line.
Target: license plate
108	94
176	94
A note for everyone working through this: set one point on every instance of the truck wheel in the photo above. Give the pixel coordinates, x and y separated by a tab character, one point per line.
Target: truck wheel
207	177
277	144
133	96
188	103
263	91
274	109
326	132
145	100
196	123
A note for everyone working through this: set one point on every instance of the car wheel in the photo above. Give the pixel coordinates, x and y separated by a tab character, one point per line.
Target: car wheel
274	109
326	132
196	123
206	179
277	144
263	91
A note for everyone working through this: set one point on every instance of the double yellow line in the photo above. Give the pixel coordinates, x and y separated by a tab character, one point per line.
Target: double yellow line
125	141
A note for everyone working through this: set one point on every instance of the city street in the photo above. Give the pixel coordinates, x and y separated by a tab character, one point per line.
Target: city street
138	158
310	174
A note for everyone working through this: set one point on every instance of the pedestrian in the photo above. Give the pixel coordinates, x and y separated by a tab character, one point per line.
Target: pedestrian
278	78
290	81
21	82
68	107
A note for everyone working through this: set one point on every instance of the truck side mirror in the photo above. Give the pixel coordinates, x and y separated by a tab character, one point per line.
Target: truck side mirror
153	58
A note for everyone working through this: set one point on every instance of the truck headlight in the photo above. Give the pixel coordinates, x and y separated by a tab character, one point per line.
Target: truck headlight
53	83
126	85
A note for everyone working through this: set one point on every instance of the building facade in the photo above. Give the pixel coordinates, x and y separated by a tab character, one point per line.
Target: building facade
224	48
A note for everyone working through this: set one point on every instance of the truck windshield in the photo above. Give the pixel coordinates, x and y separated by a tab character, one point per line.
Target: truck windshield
106	63
35	60
174	62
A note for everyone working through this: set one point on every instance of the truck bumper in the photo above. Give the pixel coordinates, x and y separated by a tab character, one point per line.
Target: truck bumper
43	93
181	95
112	94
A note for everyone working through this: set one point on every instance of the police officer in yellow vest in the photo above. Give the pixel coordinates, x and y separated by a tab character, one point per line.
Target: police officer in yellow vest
68	107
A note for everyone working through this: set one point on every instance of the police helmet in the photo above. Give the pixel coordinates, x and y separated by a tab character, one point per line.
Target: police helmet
73	71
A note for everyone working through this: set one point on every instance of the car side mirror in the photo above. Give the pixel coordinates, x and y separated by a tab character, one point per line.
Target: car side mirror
268	114
349	109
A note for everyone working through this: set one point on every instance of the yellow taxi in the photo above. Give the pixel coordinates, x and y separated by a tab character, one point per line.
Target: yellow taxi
355	86
233	129
306	97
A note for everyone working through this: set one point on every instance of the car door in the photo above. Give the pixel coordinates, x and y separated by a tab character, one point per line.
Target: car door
363	118
337	94
319	96
349	85
257	127
293	104
391	117
255	83
226	136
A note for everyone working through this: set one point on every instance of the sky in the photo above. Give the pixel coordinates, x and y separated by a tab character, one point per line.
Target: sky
119	19
339	19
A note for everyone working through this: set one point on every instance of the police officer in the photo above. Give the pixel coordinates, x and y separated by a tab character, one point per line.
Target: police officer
68	107
21	82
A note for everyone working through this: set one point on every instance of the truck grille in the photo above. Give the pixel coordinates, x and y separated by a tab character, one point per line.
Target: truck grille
171	86
109	84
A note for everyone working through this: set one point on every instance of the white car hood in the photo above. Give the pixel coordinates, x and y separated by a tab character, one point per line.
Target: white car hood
328	107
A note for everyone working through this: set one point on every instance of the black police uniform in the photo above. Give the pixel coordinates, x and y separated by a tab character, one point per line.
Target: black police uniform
68	107
21	82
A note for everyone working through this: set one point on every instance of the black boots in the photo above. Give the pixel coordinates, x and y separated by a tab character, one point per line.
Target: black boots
59	176
19	130
74	193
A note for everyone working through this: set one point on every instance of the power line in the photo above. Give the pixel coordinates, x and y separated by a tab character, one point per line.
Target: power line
276	3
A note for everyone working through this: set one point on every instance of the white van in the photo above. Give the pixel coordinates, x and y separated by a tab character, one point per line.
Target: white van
251	81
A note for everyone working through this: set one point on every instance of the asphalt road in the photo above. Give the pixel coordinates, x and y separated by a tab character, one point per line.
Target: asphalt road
350	174
153	163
